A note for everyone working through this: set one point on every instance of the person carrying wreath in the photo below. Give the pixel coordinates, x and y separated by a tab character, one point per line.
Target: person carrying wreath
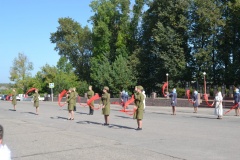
90	94
70	100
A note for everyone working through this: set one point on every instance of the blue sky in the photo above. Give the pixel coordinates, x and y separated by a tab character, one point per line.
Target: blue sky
25	26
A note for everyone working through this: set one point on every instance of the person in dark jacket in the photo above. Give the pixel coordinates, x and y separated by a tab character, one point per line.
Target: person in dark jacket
173	97
236	101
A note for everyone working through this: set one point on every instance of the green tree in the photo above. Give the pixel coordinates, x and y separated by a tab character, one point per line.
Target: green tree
20	71
122	75
117	76
45	76
135	30
110	27
75	43
62	79
206	25
101	72
164	42
229	44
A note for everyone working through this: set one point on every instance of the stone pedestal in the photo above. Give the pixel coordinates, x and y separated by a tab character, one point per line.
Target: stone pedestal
154	95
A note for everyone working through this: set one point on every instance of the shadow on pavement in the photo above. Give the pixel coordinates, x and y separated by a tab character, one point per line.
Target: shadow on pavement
89	122
58	117
30	113
80	112
114	126
12	110
204	117
161	113
124	117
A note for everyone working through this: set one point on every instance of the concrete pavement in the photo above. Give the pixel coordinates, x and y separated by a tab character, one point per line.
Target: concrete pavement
50	136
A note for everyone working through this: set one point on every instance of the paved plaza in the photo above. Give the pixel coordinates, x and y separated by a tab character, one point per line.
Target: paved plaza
50	136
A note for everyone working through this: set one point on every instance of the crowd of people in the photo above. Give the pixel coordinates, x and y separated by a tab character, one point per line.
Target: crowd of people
139	106
139	102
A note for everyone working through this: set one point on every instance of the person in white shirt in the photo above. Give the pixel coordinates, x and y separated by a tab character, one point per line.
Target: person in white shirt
144	101
218	105
5	153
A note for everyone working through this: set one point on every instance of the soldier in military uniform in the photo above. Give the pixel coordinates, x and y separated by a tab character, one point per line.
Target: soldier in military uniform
139	97
36	100
76	95
105	103
70	100
90	94
14	99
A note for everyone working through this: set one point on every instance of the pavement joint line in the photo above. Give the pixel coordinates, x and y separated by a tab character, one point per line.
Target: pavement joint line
167	155
66	150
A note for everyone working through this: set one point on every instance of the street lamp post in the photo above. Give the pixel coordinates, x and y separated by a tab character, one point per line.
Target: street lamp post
205	88
167	81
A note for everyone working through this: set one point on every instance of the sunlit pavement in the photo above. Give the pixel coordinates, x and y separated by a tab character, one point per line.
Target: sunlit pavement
50	136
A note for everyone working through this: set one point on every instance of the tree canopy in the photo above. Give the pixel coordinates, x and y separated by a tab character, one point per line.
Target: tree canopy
138	42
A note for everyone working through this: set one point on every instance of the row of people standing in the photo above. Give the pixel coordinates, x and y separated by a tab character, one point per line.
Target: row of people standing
217	102
72	96
35	100
104	103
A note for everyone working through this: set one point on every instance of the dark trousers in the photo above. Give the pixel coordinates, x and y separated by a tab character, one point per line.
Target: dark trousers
90	110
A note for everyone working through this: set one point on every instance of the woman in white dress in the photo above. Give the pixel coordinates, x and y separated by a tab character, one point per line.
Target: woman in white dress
218	105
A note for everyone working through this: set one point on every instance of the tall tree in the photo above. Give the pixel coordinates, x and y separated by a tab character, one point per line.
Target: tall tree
110	27
21	71
117	76
164	41
100	72
122	75
111	36
134	27
61	79
75	43
229	43
206	25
